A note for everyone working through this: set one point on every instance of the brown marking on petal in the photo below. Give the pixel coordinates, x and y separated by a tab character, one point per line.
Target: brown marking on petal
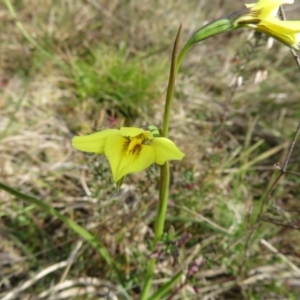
134	145
137	148
126	143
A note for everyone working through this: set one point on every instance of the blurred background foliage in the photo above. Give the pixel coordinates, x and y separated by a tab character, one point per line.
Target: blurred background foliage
103	64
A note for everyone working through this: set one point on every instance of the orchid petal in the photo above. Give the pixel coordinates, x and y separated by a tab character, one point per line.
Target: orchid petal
282	27
263	17
94	142
165	150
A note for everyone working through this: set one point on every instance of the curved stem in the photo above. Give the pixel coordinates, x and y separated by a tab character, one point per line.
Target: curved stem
214	28
182	54
171	85
164	173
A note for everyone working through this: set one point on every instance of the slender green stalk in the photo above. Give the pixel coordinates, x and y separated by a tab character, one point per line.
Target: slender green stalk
164	173
159	225
166	287
163	201
171	85
214	28
205	32
182	54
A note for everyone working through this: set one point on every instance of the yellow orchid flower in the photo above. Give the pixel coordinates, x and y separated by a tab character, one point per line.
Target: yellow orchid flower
263	16
129	149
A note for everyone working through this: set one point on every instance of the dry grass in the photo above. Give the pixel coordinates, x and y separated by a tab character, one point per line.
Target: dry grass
235	110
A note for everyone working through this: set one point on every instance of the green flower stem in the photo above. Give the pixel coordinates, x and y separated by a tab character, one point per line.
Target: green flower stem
205	32
159	225
171	86
182	54
164	173
163	201
166	287
209	30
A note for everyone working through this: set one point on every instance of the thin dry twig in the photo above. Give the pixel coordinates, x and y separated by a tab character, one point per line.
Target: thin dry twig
283	168
86	285
16	292
294	53
283	257
71	259
297	59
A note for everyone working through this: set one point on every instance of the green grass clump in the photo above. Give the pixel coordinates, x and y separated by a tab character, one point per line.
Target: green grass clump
116	81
